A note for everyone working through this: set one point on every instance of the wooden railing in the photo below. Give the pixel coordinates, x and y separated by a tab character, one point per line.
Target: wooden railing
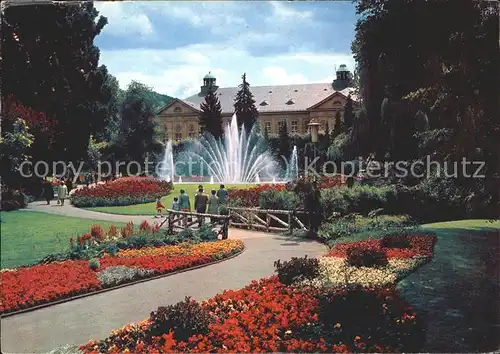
180	220
262	219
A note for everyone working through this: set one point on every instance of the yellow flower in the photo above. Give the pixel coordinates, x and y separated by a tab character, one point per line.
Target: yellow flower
338	325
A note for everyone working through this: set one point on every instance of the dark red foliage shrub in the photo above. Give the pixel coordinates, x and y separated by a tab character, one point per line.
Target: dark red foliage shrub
186	318
422	245
395	241
365	257
249	197
297	269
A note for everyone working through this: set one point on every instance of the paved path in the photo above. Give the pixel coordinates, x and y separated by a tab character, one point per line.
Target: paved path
93	317
70	210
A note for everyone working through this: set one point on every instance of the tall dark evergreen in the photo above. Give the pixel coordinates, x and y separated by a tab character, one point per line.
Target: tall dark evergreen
337	128
348	113
284	142
54	69
210	119
244	105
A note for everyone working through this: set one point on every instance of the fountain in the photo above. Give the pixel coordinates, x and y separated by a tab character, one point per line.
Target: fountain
167	167
293	167
237	158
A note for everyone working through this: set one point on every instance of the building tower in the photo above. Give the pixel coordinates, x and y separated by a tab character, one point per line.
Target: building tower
343	80
209	84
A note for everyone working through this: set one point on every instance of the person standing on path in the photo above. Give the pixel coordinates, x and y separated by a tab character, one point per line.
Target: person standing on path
213	206
48	191
184	203
62	192
222	195
200	204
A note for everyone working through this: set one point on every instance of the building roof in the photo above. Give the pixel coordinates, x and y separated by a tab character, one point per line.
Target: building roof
274	98
209	75
342	67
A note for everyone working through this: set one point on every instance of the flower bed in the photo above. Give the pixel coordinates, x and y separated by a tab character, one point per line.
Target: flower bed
30	286
334	269
249	197
123	191
268	316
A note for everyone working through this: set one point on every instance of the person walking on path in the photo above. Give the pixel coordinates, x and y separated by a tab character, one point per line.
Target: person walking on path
62	192
200	204
159	208
48	192
184	203
213	206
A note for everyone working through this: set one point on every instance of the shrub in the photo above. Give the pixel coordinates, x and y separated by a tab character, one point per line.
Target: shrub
297	269
369	318
395	241
206	233
362	257
13	199
94	264
186	318
358	199
279	200
249	197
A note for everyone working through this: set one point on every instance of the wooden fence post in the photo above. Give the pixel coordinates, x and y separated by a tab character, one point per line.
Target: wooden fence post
268	221
290	228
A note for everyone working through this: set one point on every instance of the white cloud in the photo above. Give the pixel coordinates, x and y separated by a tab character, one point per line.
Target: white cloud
179	72
217	16
124	18
279	76
284	12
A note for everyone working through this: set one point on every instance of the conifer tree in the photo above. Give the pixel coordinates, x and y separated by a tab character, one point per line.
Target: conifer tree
211	116
244	106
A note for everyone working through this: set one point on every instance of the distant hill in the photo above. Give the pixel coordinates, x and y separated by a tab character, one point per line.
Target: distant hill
160	100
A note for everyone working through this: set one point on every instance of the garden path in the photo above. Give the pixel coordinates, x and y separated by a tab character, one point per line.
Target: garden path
70	210
93	317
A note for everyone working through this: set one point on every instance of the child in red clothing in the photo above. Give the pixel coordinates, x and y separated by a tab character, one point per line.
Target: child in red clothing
159	207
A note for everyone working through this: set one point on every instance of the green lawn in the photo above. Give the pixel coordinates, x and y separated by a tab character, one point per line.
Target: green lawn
457	293
28	236
150	208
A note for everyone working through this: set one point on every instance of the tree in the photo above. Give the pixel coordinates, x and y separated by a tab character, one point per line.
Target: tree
348	113
210	119
14	146
244	106
452	77
137	132
284	141
337	128
54	69
327	133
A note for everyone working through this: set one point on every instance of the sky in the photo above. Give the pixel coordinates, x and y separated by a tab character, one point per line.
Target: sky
171	45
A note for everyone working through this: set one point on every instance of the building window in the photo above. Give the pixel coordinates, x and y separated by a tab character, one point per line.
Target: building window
305	126
280	124
178	137
295	127
191	132
267	126
177	109
323	125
